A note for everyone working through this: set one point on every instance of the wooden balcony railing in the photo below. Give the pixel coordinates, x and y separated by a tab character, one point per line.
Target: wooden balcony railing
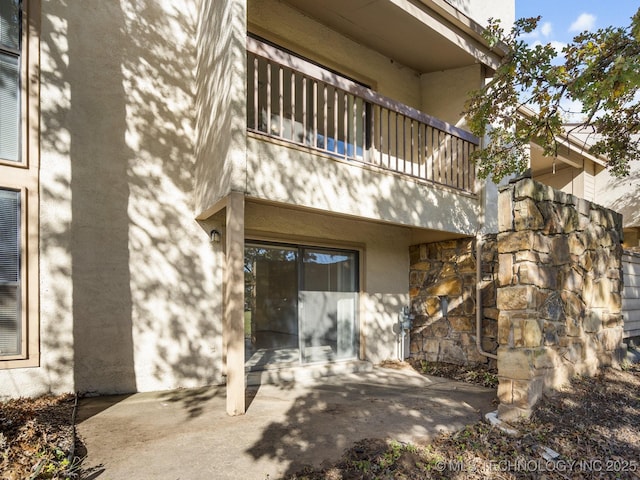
297	101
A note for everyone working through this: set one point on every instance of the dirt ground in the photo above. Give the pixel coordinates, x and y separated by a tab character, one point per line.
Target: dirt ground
36	438
589	429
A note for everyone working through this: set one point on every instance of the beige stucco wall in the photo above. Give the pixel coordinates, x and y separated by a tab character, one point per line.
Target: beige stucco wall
295	176
291	29
286	175
127	277
567	179
504	10
445	93
384	263
220	100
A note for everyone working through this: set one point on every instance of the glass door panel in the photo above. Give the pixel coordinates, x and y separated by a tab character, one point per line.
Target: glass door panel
301	304
327	302
271	305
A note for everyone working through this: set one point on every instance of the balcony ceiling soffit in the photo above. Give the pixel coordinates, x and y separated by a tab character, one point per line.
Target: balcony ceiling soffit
415	36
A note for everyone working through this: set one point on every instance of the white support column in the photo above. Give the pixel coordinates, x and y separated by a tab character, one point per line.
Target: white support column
233	317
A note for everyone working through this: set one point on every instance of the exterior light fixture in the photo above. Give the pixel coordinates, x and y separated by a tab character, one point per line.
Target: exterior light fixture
215	236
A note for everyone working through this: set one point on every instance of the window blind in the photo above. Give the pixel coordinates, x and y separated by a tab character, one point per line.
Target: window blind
10	324
10	24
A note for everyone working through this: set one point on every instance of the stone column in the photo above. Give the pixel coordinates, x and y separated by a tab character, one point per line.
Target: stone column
559	291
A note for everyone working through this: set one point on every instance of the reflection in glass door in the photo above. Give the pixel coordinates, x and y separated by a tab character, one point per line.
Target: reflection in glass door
327	305
301	304
271	305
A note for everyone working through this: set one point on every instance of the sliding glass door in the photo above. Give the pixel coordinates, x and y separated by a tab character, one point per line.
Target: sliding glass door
327	305
301	304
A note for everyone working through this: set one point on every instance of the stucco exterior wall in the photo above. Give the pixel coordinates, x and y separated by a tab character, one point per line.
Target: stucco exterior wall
504	10
127	277
220	89
567	179
384	264
303	178
445	93
305	36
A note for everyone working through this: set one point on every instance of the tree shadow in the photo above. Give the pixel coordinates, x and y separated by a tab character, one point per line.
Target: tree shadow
329	417
128	273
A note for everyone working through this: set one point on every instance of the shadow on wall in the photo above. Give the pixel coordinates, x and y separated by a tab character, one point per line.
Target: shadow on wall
627	200
118	108
285	174
220	100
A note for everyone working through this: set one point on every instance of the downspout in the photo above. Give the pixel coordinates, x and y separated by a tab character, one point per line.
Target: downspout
481	220
479	299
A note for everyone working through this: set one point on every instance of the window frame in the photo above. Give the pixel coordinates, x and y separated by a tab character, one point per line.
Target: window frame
23	176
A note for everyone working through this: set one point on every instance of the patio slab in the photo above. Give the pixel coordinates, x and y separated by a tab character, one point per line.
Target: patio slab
186	434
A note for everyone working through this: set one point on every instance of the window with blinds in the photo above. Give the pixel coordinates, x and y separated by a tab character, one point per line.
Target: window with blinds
10	49
10	317
19	187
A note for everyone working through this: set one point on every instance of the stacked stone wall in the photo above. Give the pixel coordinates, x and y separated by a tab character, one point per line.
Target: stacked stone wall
559	291
443	299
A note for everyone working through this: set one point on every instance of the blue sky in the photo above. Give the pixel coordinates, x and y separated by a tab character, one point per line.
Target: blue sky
562	19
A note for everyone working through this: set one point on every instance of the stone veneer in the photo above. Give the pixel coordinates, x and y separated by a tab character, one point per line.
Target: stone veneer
559	292
446	272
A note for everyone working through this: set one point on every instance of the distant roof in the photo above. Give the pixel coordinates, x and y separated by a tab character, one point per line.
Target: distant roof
579	138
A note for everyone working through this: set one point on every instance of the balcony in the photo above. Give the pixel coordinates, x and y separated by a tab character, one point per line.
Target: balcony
293	100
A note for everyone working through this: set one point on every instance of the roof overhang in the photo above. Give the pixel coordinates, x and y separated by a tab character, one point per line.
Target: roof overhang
426	35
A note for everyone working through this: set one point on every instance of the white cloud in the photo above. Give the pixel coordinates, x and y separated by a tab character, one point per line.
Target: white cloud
558	46
545	29
585	21
571	110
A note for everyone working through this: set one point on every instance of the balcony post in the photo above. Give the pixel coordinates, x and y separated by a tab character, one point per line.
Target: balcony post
233	316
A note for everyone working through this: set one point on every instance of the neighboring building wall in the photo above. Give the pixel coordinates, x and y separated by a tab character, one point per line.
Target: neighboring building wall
445	273
566	178
128	281
631	293
559	294
622	195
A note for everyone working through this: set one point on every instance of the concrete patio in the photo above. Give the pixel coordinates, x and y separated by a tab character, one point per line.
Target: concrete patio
186	434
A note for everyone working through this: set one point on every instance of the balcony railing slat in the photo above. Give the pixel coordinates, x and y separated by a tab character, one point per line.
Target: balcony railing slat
342	118
317	73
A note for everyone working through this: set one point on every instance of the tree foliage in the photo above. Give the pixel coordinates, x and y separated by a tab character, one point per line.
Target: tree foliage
599	70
